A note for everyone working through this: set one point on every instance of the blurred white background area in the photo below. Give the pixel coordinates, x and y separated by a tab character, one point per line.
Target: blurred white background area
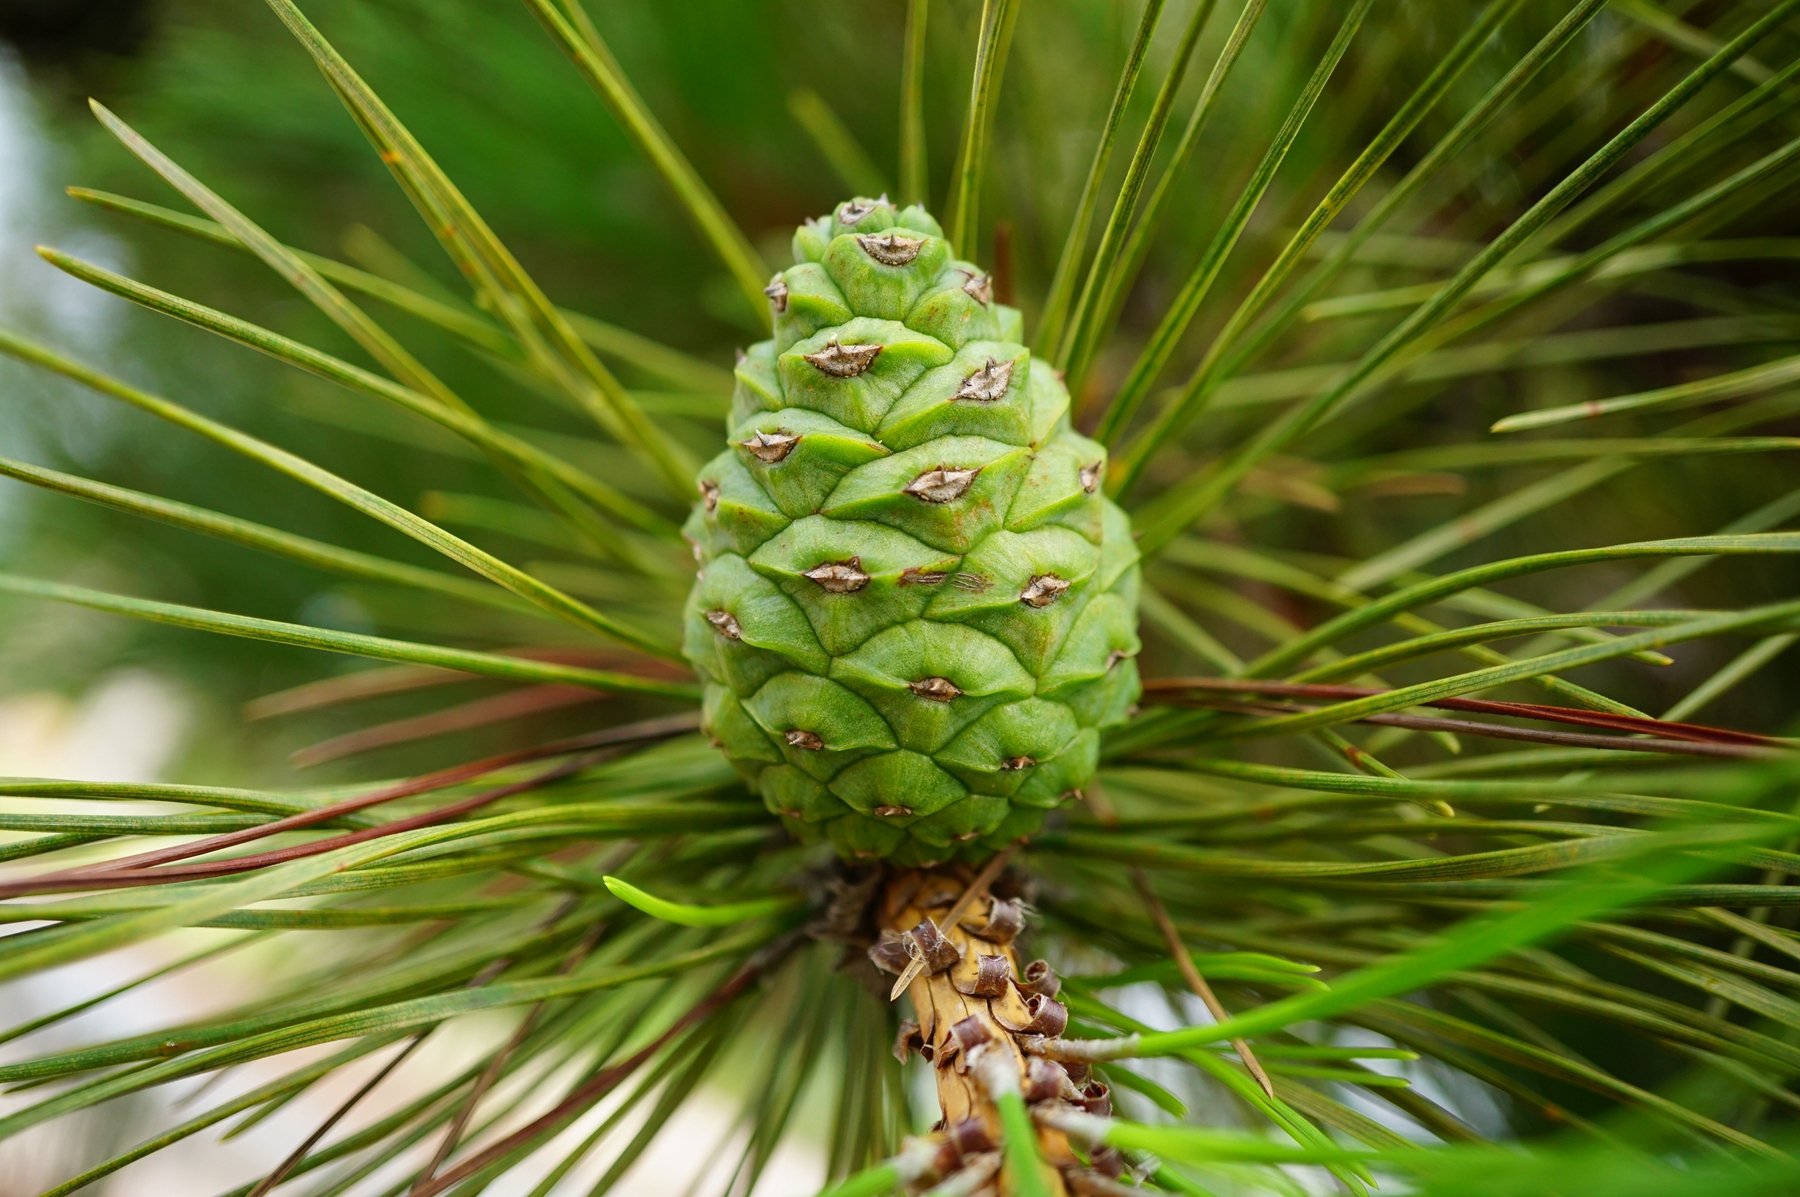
128	727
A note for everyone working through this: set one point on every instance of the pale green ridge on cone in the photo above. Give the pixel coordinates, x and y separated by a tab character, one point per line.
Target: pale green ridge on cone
915	609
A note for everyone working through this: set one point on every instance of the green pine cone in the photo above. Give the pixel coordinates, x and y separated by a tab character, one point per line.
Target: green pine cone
915	609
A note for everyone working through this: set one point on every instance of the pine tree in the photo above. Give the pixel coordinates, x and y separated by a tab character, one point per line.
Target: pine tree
970	819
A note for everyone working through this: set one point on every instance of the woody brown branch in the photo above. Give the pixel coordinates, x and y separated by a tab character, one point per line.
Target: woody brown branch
972	997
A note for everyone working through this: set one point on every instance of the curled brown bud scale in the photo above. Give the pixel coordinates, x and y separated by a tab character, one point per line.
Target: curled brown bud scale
1039	978
725	624
1044	1016
893	812
992	975
804	740
1051	1017
889	953
709	495
1090	476
847	901
980	288
970	1033
1018	762
1091	1182
970	1137
1045	1080
908	1040
1005	920
926	944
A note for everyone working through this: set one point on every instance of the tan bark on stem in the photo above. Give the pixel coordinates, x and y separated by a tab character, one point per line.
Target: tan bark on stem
939	1002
